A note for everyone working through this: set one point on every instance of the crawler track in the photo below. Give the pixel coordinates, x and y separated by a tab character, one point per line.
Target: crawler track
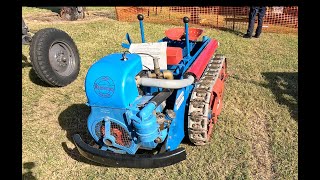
206	101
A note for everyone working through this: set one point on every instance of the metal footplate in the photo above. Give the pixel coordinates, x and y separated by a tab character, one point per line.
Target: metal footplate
111	159
199	107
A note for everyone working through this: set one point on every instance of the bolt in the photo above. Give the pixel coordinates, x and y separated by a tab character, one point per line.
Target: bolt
108	142
157	140
171	113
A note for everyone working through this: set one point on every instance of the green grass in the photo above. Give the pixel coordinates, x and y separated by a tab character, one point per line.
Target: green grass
256	136
35	10
101	8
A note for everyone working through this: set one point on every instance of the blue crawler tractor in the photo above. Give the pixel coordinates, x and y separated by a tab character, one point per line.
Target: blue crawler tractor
136	110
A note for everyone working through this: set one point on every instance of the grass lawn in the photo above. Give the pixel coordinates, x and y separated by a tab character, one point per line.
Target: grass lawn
256	136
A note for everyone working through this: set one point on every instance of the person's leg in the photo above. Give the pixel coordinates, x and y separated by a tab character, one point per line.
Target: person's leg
261	13
252	15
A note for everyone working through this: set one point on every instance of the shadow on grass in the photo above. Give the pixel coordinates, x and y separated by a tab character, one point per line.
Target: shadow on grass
29	174
284	86
25	62
35	79
186	140
74	121
24	57
54	9
229	30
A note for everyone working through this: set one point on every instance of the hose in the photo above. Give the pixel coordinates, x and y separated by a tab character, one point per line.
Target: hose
165	83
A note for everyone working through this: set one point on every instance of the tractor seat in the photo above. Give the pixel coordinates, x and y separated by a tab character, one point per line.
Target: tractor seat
177	34
174	55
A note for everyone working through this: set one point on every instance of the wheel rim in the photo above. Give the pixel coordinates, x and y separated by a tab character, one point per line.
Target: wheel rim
62	58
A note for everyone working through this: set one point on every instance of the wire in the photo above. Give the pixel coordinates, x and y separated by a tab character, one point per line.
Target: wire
147	67
146	54
140	53
126	51
124	55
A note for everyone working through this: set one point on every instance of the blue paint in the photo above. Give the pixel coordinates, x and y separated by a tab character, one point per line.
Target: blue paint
110	82
124	45
147	127
146	111
128	38
176	130
187	39
141	31
204	38
99	115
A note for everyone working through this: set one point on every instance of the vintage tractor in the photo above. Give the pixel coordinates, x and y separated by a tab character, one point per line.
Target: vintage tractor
53	54
140	113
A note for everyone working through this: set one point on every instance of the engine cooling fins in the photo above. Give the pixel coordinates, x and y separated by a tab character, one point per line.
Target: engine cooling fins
111	159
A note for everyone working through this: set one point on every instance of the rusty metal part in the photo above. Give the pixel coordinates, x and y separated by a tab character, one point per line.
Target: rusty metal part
158	140
151	75
167	74
118	135
156	66
206	101
160	118
102	130
171	114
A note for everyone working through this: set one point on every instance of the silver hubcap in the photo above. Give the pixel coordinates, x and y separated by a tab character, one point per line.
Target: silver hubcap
61	58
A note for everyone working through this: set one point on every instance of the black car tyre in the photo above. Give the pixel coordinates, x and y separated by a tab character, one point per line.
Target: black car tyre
54	57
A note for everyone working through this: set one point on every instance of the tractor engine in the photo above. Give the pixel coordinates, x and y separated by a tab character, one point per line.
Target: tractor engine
124	118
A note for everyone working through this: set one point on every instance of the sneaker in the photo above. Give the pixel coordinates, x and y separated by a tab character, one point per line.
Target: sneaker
246	36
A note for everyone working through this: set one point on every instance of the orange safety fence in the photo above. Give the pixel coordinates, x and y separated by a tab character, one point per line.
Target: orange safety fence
280	19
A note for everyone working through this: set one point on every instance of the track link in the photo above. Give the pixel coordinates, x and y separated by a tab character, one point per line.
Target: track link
200	108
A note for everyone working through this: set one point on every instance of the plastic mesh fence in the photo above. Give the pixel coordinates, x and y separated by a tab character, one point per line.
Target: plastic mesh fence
279	19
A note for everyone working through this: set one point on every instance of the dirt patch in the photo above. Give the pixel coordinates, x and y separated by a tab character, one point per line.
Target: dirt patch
55	17
103	14
260	147
44	17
